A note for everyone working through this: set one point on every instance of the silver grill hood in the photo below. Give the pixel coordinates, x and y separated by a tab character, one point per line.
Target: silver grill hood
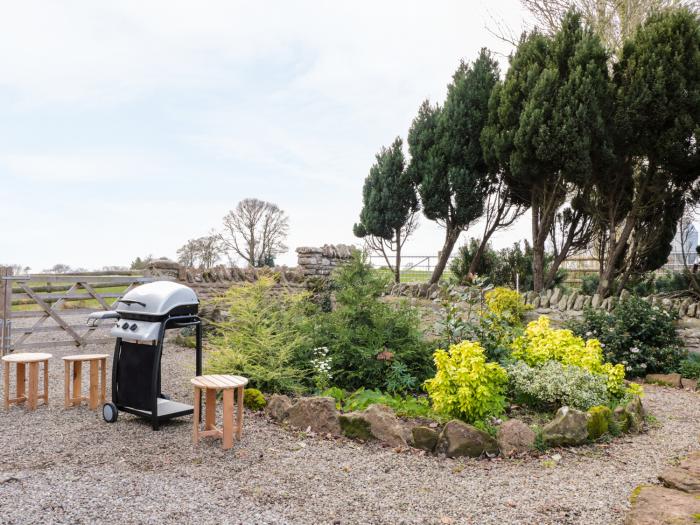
142	311
158	299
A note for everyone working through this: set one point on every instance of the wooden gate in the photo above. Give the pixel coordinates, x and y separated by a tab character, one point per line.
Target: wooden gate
41	303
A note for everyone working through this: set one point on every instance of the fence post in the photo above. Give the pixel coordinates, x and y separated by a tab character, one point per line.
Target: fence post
5	309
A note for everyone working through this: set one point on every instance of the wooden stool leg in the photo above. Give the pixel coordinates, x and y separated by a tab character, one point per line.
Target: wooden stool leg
210	422
46	382
93	384
33	384
66	385
77	383
103	368
228	418
239	418
6	385
197	404
21	379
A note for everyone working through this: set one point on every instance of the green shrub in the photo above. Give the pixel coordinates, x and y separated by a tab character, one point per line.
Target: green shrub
336	393
541	344
465	386
589	283
371	344
253	399
636	335
552	385
407	406
506	305
690	367
599	419
494	323
262	337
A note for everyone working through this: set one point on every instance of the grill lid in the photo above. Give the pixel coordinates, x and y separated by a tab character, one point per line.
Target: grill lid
157	298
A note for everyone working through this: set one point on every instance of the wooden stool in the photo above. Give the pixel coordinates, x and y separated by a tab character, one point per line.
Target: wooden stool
98	363
32	395
211	385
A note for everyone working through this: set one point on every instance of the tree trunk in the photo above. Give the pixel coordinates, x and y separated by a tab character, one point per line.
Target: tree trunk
397	268
474	264
563	253
451	236
538	238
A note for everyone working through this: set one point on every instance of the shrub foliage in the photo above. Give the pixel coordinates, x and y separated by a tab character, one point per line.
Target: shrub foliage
636	335
465	385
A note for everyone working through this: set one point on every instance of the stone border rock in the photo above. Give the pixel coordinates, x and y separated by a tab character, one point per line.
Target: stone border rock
676	501
379	423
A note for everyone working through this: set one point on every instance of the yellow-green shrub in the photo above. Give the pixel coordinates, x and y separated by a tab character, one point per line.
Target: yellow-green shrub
506	304
541	343
465	385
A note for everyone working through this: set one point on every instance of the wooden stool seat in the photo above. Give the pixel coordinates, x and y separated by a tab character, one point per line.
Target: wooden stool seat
98	376
32	395
211	384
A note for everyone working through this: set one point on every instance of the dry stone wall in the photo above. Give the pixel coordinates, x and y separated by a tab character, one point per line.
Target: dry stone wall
561	306
320	262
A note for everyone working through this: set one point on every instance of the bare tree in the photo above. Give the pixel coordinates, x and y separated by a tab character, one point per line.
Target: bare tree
571	233
187	254
59	268
500	212
390	249
255	231
203	251
613	21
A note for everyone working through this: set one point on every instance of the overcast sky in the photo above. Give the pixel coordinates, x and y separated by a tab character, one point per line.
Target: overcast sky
129	127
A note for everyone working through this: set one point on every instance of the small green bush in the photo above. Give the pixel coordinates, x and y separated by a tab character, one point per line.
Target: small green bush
465	386
253	399
599	419
636	335
552	385
690	367
370	343
262	338
404	406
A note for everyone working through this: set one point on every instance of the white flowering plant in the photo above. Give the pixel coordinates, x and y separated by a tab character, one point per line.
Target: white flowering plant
635	334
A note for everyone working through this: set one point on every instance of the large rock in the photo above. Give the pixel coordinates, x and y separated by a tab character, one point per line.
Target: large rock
595	301
653	505
569	427
459	439
672	380
689	384
277	407
375	422
317	413
635	415
556	295
425	438
681	479
515	437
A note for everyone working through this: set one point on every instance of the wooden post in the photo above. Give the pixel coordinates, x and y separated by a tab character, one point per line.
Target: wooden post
197	405
228	418
210	421
67	400
93	399
77	383
5	310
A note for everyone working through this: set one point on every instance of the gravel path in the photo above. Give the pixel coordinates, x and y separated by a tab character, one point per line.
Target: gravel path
68	466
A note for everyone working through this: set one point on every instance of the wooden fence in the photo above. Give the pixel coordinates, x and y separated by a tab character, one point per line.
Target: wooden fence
41	303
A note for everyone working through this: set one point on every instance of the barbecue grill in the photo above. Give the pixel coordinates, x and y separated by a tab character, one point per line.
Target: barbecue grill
143	316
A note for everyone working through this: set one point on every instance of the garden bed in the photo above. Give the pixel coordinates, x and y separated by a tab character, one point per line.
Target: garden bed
70	466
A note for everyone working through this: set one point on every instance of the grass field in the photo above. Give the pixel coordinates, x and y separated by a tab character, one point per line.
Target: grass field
87	303
415	276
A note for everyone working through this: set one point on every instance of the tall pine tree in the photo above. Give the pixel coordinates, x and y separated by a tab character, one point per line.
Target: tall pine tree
389	206
447	163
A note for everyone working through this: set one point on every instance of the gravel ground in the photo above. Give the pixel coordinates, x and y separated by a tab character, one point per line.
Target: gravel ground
69	466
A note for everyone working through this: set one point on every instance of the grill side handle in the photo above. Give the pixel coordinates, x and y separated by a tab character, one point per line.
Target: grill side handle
95	317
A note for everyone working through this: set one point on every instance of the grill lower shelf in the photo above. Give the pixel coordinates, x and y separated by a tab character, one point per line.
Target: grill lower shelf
166	409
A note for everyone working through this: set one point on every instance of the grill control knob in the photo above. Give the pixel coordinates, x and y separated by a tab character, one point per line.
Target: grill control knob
133	327
125	326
